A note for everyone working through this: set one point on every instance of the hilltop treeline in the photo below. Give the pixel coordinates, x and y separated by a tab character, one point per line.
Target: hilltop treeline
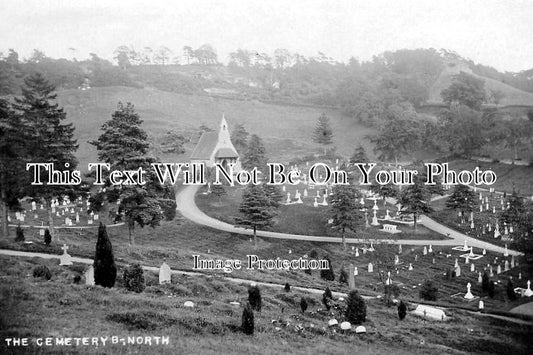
361	89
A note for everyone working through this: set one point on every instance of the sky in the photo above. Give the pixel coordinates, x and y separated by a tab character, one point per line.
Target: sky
491	32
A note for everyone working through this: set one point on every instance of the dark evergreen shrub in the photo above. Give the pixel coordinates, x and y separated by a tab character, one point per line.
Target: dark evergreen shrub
303	304
313	254
19	234
429	291
402	310
134	278
327	274
287	287
254	298
327	297
485	280
248	320
42	271
77	279
491	289
47	237
355	308
343	276
105	270
510	291
169	208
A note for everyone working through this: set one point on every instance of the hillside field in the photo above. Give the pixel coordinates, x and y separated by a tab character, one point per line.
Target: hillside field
286	130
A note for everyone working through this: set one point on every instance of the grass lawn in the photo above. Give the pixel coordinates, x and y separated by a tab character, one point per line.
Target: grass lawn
481	219
35	308
508	176
305	219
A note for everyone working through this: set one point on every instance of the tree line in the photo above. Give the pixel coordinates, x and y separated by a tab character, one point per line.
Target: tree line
33	129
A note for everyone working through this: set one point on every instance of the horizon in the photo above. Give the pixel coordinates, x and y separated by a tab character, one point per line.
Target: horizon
341	30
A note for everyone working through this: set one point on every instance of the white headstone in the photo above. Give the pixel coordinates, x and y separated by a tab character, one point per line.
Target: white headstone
89	276
164	274
370	267
346	326
469	294
65	259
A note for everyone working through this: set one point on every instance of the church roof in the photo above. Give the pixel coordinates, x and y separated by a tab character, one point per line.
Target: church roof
207	143
226	153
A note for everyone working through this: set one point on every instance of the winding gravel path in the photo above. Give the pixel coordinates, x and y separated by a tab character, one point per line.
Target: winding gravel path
187	207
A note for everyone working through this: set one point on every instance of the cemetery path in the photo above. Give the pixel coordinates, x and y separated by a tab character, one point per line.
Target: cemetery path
88	261
186	205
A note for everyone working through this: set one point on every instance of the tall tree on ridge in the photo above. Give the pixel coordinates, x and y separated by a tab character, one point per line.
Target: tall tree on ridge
49	140
12	162
124	145
323	133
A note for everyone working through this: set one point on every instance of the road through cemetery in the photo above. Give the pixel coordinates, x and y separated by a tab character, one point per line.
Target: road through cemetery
187	207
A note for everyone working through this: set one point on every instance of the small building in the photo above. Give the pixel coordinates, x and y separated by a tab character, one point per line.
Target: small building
216	147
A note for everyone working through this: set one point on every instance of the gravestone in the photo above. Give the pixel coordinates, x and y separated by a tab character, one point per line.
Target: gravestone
396	259
458	271
506	267
351	279
468	294
65	259
164	274
479	278
355	272
499	269
410	267
370	267
528	292
472	267
89	276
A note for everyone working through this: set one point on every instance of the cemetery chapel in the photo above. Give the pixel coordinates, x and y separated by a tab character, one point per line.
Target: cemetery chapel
216	147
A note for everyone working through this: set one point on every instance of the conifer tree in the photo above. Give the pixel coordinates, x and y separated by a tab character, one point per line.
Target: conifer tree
12	162
124	145
49	139
462	199
19	234
328	274
254	298
327	297
343	276
344	211
415	198
323	133
256	210
303	304
255	155
359	155
402	310
510	290
105	271
47	237
247	323
355	308
239	138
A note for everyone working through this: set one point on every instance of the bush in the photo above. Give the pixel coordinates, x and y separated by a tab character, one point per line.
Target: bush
402	310
287	287
327	274
254	298
169	208
47	237
491	289
391	291
303	304
105	270
343	276
429	291
248	320
134	278
355	308
510	291
19	237
327	297
43	272
485	282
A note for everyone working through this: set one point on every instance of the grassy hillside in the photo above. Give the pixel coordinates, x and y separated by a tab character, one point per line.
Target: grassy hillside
286	130
511	95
